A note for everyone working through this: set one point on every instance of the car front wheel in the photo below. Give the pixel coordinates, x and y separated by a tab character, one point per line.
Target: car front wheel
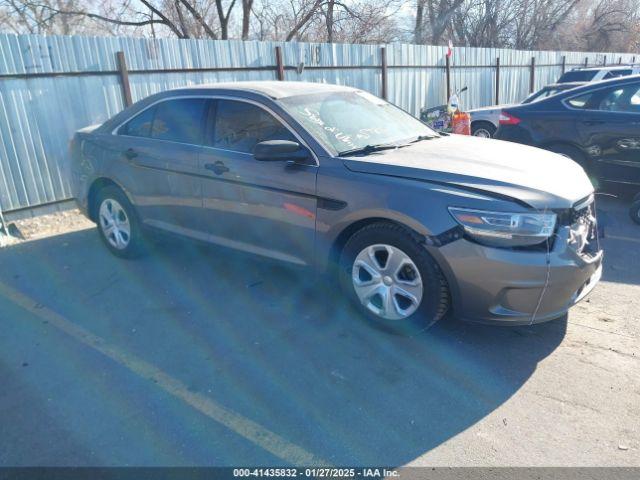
392	280
118	224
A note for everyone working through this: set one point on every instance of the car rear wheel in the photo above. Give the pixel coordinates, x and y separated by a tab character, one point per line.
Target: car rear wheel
392	280
118	223
483	129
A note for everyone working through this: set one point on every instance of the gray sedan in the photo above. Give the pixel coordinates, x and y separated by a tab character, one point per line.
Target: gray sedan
411	223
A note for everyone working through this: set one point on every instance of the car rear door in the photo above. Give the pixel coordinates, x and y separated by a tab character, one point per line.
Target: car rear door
264	207
610	131
161	146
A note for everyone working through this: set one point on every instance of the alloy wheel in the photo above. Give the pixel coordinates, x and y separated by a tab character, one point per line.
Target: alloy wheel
387	282
482	132
115	224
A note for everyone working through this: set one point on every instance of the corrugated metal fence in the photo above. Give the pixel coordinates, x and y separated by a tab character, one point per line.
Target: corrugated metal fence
51	86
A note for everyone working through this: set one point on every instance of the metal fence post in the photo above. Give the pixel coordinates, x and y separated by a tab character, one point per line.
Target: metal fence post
586	62
383	66
124	78
564	63
448	73
604	62
532	75
279	64
497	80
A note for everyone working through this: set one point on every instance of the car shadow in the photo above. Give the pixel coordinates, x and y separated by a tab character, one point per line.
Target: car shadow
281	347
621	241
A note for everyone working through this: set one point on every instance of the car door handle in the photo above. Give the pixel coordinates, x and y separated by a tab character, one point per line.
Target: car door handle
218	168
592	122
130	153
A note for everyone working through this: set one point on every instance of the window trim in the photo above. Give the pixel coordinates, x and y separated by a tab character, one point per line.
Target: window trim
205	120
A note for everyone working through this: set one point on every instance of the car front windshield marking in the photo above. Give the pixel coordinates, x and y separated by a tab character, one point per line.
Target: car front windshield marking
348	121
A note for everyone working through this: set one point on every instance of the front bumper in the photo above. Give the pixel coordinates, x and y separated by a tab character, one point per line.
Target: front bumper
518	287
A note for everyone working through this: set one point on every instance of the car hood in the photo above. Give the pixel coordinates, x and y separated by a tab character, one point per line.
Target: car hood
537	177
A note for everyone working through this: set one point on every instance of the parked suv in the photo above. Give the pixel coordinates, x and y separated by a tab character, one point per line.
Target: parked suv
412	222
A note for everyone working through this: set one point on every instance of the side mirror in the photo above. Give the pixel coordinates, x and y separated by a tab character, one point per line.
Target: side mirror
280	150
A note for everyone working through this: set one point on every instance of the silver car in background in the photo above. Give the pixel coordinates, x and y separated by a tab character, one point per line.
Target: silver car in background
410	223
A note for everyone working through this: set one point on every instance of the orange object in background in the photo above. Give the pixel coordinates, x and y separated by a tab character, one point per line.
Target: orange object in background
461	123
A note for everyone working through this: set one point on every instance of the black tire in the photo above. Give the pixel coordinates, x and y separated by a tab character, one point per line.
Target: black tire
435	293
634	211
482	126
135	243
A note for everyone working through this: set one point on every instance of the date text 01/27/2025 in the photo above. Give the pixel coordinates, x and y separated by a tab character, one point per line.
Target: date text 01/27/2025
316	472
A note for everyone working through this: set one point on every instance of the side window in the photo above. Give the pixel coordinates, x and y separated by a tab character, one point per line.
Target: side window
624	99
581	101
179	120
240	125
140	125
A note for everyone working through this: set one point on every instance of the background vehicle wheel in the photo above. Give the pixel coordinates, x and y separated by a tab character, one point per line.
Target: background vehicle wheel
118	223
483	129
392	280
634	211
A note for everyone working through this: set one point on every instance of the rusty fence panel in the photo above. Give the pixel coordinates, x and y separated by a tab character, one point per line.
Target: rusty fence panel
51	86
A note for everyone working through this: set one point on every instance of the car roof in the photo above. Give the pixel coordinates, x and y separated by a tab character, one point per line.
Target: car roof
271	88
608	67
565	85
586	87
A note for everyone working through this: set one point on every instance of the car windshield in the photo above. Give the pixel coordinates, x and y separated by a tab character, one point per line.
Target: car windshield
347	121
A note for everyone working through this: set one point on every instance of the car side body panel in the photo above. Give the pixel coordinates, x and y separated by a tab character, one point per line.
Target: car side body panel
301	213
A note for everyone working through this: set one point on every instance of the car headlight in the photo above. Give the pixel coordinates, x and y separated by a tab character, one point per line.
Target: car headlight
504	229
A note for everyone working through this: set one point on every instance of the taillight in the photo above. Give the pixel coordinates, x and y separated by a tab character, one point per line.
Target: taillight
508	119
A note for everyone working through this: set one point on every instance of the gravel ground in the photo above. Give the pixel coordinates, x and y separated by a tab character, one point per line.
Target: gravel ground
48	225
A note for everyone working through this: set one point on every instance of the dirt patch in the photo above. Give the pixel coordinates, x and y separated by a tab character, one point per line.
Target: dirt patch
45	226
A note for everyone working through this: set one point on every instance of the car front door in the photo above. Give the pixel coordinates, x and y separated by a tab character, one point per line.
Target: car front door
263	207
610	130
161	145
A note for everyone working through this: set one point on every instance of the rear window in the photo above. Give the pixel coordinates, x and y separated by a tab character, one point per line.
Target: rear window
577	76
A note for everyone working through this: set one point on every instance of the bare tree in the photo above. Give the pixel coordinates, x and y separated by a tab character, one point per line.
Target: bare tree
247	6
433	18
609	25
595	25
